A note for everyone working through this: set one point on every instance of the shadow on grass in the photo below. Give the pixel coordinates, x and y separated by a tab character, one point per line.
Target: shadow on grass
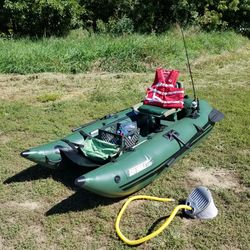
36	172
79	201
161	220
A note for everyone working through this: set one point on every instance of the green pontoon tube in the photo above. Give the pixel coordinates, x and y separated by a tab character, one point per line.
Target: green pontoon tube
123	152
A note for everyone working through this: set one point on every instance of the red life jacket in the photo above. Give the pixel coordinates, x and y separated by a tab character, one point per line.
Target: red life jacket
164	92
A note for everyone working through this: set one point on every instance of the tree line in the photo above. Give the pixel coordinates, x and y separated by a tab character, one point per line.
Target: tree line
58	17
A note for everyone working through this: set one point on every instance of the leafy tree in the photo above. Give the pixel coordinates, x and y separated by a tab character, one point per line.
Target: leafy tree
97	10
57	17
42	17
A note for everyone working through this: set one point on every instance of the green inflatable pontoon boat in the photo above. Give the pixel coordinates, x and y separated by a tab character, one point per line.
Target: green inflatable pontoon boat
123	152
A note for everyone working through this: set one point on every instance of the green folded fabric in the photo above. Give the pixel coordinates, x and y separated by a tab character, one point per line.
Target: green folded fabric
98	150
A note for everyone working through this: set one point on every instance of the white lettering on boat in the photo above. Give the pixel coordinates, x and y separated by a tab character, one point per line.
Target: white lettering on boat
140	167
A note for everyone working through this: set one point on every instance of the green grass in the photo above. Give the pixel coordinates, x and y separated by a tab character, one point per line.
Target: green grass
81	51
47	97
40	209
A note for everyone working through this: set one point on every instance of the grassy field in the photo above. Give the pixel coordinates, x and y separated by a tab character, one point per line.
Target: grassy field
82	51
41	209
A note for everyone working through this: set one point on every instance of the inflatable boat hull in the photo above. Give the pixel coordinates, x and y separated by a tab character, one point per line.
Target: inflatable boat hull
154	153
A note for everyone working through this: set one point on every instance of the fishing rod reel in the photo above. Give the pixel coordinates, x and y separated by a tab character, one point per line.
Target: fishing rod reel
199	205
192	108
195	108
195	104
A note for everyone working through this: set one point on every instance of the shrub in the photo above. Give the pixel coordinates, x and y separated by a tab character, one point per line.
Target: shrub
41	17
57	17
101	26
116	26
123	25
212	20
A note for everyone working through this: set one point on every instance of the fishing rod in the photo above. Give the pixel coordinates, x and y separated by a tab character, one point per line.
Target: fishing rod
188	62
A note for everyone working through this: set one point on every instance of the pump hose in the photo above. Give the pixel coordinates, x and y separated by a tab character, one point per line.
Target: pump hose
156	232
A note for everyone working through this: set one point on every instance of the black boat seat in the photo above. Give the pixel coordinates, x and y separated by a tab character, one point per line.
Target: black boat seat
154	110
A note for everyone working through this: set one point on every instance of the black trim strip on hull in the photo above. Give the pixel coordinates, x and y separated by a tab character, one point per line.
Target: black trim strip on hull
170	160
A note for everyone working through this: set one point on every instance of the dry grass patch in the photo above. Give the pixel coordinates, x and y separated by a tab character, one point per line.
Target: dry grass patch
26	205
45	87
1	242
4	139
215	178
